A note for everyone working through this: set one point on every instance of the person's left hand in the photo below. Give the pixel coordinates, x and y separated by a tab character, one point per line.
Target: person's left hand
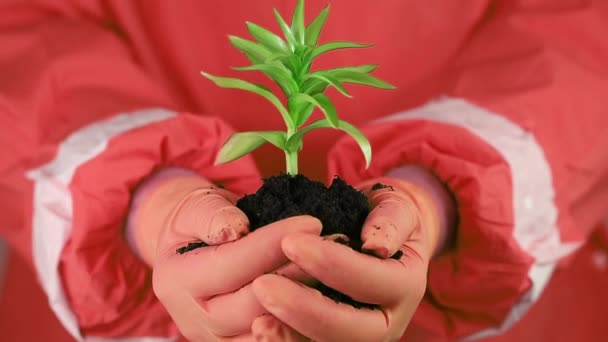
403	218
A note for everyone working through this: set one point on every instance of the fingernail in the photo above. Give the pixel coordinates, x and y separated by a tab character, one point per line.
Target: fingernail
376	248
230	224
311	224
230	234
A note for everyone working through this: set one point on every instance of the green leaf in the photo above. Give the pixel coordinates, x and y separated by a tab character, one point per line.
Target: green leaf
302	114
361	140
313	86
291	39
255	52
295	140
292	63
330	80
297	22
355	77
240	144
319	50
364	69
276	57
278	73
313	31
268	39
328	108
320	101
235	83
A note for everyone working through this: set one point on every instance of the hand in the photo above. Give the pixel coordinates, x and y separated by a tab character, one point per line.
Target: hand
403	218
207	291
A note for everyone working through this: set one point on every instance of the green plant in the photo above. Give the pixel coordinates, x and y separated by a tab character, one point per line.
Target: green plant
288	62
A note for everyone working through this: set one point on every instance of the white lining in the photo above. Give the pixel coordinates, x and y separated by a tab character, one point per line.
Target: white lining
52	206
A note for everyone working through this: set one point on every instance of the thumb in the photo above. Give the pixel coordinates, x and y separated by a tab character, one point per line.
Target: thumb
209	215
393	218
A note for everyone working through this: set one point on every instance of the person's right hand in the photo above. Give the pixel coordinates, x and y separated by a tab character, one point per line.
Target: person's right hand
207	290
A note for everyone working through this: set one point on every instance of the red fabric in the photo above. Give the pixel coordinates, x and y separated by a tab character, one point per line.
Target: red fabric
70	63
549	74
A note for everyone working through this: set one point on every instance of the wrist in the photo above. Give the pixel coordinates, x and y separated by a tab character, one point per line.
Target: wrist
444	203
151	204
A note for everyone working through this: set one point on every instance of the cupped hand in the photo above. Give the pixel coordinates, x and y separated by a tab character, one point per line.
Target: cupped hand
207	290
403	219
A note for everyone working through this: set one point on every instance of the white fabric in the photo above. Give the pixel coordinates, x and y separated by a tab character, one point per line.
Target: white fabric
52	207
533	195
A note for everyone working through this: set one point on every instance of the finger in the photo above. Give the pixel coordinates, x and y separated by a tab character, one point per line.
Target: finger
185	312
393	218
220	310
363	277
193	322
208	215
313	315
225	268
232	313
295	273
269	329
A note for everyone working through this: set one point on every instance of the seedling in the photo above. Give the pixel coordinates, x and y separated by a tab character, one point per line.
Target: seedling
288	63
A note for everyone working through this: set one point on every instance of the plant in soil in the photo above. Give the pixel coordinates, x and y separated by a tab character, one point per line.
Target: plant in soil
287	61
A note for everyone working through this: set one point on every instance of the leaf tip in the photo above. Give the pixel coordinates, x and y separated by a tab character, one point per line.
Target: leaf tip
220	158
388	86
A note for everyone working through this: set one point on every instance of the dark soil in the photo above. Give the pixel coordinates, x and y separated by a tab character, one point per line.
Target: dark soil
340	208
191	246
379	186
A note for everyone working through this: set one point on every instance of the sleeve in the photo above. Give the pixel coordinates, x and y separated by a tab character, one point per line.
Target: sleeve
82	124
520	139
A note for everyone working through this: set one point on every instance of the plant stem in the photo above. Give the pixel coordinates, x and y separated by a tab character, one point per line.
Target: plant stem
292	162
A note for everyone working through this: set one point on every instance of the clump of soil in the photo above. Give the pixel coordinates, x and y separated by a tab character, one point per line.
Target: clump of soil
340	208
